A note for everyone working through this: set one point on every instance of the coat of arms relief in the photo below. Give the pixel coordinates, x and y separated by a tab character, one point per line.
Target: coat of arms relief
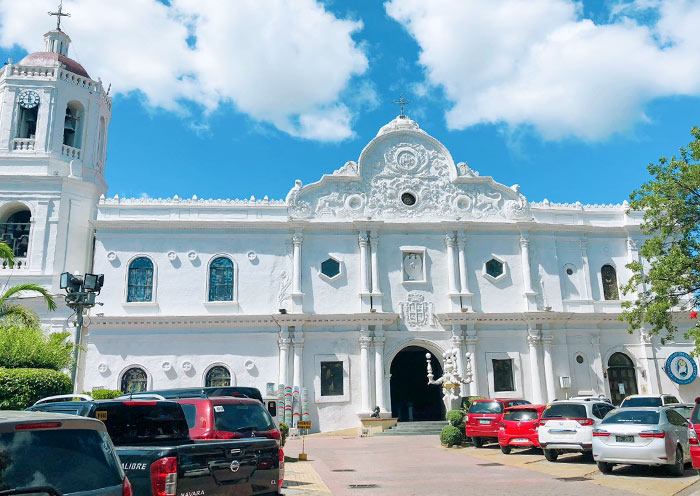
378	188
416	312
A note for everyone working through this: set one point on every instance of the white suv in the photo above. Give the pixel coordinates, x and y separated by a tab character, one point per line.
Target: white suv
568	425
638	400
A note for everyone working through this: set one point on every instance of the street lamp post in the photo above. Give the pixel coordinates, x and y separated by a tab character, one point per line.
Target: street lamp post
451	378
80	294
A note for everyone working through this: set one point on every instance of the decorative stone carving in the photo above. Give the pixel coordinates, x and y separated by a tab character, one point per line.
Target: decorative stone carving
186	366
416	311
111	256
172	256
285	284
413	266
103	368
166	366
252	256
192	255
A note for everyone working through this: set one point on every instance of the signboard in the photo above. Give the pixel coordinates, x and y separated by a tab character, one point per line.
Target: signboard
681	368
304	424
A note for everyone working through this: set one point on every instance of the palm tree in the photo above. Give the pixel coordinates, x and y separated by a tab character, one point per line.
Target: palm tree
8	309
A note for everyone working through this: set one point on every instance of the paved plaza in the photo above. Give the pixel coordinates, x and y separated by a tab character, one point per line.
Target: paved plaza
418	465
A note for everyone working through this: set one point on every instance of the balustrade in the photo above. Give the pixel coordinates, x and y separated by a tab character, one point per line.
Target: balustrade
23	144
16	236
71	152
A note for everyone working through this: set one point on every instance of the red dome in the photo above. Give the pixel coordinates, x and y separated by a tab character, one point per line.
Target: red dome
44	59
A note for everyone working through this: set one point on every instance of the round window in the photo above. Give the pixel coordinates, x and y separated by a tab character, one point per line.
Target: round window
569	271
579	358
408	199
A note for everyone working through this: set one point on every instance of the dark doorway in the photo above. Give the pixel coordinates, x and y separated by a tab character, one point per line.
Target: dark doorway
622	377
412	399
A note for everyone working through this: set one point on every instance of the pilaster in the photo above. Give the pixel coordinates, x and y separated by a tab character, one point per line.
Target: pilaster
374	252
533	340
297	295
365	343
470	341
466	295
528	292
379	395
284	343
548	368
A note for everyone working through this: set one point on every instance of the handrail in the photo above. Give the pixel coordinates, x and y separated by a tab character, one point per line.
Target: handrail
49	399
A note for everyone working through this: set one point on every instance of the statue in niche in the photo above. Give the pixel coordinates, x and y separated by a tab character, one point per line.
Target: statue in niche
413	267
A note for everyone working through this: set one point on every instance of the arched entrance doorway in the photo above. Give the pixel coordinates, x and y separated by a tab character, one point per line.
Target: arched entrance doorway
622	377
412	399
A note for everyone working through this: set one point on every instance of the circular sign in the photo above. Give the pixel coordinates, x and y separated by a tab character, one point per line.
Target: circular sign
681	368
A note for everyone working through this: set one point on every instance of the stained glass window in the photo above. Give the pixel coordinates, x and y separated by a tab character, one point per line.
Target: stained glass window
134	380
221	279
218	376
140	280
610	291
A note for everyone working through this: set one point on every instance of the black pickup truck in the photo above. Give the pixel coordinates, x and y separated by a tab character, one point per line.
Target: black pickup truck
157	454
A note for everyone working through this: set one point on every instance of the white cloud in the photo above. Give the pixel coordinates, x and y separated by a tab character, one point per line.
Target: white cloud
539	63
285	62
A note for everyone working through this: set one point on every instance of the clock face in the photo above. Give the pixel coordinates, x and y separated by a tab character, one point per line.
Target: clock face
29	99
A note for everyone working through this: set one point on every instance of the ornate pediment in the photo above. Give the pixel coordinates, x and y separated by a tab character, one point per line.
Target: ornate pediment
406	174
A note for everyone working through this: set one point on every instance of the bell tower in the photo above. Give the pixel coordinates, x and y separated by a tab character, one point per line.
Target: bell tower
54	121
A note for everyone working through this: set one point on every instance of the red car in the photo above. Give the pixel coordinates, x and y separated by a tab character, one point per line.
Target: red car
484	418
693	436
519	427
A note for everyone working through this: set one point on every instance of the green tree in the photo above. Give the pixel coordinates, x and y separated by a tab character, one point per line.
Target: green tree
29	347
668	282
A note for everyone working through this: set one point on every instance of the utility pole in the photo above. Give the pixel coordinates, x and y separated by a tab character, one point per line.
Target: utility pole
80	294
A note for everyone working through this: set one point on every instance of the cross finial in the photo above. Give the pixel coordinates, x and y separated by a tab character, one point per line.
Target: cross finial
58	15
402	103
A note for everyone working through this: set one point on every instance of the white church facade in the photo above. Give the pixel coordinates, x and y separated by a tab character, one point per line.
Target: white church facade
341	288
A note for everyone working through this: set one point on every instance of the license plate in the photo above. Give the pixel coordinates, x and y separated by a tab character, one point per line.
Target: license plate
484	421
520	440
624	439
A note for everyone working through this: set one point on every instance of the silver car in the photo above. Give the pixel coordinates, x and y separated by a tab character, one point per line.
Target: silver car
642	436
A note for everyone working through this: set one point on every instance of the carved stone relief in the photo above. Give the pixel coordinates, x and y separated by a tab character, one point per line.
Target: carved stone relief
416	311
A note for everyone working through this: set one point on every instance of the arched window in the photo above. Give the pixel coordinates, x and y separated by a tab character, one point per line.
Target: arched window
72	127
15	232
218	376
622	377
610	291
26	123
134	380
221	279
140	285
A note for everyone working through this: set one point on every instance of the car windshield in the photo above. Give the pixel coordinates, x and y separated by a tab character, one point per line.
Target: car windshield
137	424
632	417
486	407
242	418
520	415
565	411
641	401
69	460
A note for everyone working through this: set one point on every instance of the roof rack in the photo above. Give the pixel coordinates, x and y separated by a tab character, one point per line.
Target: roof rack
141	396
61	397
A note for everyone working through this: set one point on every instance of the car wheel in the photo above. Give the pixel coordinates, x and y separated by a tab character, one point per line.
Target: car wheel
506	450
605	467
678	467
551	455
477	442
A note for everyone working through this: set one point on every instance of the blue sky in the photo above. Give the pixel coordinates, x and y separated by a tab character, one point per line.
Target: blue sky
569	100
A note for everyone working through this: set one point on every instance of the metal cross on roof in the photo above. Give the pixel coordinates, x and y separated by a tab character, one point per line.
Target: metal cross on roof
58	15
403	103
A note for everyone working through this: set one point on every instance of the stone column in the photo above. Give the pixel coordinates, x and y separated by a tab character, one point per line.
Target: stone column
470	341
525	261
365	342
466	301
533	339
548	369
650	365
298	343
363	241
451	244
598	365
587	295
284	343
374	245
379	340
297	240
457	341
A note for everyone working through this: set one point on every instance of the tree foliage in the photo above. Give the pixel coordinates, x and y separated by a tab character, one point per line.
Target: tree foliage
668	280
29	347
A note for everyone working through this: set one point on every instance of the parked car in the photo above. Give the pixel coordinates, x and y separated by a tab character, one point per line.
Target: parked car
484	418
152	440
693	436
225	417
519	427
567	426
69	454
685	409
637	400
642	436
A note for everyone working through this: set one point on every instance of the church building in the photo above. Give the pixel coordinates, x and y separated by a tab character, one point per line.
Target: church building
342	287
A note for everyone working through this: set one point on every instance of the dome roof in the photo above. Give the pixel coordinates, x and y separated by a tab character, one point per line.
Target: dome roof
400	123
48	59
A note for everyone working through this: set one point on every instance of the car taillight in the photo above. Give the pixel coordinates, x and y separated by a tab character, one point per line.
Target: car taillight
164	476
126	488
38	425
281	479
586	421
135	403
275	434
600	433
692	435
655	433
226	435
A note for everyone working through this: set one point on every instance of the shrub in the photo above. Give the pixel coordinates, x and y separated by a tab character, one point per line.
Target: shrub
451	436
103	394
21	388
468	400
28	347
455	417
284	430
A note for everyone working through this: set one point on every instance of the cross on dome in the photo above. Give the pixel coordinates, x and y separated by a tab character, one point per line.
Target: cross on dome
59	13
402	102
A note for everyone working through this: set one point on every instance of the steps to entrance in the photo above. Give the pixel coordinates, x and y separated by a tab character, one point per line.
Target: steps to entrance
425	428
